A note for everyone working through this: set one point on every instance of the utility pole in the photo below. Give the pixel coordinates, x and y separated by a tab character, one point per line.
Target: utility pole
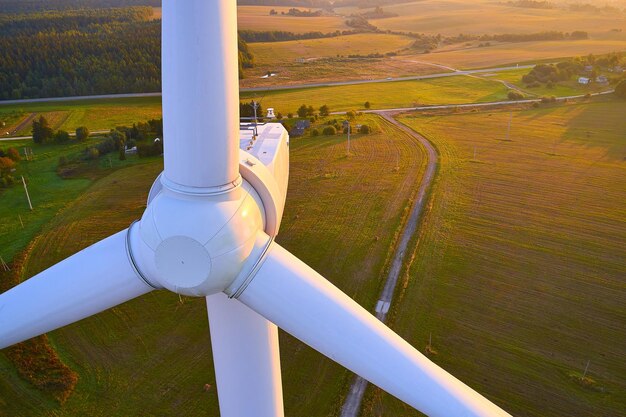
508	131
26	190
346	124
255	105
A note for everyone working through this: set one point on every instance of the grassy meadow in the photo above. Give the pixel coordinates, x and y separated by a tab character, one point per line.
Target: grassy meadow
518	273
49	193
97	114
385	95
152	356
560	89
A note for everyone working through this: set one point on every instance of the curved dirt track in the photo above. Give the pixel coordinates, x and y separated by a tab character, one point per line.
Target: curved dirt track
352	405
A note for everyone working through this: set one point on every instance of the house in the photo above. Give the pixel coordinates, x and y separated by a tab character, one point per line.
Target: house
588	68
303	124
584	80
300	60
602	79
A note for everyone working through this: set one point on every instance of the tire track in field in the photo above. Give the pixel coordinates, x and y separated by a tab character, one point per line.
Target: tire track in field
352	404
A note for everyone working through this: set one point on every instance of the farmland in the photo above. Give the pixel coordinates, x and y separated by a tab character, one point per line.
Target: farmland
152	355
100	114
452	17
449	90
518	270
258	18
301	61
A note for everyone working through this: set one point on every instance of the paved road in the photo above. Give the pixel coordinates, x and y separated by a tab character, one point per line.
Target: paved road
278	87
353	401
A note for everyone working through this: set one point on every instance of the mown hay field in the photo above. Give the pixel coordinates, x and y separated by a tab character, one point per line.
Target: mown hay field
258	18
152	356
523	52
452	17
519	269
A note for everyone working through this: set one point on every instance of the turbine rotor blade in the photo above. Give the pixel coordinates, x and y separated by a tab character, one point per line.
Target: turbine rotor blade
301	302
200	93
246	358
95	279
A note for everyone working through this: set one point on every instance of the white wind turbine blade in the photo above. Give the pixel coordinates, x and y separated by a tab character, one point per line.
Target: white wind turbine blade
301	302
95	279
200	92
246	358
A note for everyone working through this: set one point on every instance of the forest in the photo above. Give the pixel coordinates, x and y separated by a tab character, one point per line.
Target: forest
86	51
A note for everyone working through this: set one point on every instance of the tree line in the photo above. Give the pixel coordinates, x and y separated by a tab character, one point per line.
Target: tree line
28	6
84	52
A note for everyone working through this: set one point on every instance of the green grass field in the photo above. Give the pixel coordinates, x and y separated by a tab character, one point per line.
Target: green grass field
100	114
385	95
560	89
519	269
48	192
152	356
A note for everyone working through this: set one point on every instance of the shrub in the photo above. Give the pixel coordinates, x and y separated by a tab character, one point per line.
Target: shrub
6	164
289	115
92	154
82	133
279	116
329	130
315	132
14	154
61	136
365	129
515	95
367	105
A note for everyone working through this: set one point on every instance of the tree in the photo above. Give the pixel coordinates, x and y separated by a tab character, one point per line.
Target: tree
324	111
302	111
329	131
351	114
310	111
279	116
122	154
82	133
367	105
14	154
315	132
365	129
620	89
6	165
42	132
61	136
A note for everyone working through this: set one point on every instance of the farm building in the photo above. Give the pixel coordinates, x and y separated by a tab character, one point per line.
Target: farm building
602	79
584	80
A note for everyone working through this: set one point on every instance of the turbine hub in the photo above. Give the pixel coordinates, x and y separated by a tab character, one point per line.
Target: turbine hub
198	244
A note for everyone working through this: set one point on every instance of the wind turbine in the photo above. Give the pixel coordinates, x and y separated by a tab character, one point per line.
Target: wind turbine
208	231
